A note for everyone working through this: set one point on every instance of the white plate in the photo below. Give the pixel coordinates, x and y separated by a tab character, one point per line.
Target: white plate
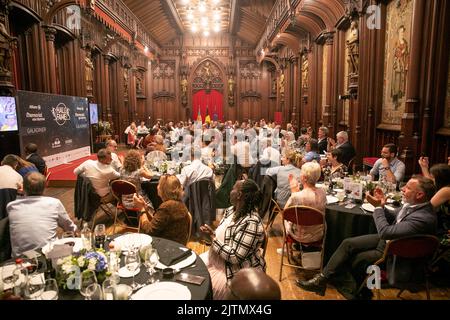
331	200
125	273
129	240
182	264
368	207
163	291
77	247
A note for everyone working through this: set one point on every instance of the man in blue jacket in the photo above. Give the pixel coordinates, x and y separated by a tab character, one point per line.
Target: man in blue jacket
416	216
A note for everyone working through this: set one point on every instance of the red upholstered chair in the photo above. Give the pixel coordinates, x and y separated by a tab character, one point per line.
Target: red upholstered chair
301	216
119	189
369	162
420	248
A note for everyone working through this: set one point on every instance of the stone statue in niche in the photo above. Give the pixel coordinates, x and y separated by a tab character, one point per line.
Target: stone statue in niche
89	73
281	84
305	71
274	86
353	49
184	85
5	48
207	75
399	68
139	83
125	83
231	84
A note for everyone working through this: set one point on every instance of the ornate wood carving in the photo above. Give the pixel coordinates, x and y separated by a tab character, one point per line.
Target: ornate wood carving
207	76
7	44
250	94
164	94
352	44
164	70
249	70
89	74
203	52
139	75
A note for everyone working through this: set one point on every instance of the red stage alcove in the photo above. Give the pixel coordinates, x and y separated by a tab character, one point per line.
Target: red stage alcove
213	100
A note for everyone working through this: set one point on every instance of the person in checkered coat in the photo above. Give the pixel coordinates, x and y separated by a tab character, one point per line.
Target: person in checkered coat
237	241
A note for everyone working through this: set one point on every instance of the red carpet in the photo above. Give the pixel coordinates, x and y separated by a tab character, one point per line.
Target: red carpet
63	176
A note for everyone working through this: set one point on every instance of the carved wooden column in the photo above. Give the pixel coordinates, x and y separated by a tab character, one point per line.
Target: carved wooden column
105	89
409	136
50	33
327	116
7	43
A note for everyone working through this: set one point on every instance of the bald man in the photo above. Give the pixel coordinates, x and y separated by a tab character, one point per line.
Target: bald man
253	284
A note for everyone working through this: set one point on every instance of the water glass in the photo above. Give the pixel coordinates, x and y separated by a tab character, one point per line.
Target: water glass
109	289
34	286
94	292
51	290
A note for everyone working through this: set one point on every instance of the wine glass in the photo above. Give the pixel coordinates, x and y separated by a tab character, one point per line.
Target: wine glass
50	290
132	262
8	275
34	286
87	278
109	289
100	235
151	260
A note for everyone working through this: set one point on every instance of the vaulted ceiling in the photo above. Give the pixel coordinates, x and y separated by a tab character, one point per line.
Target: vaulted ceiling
166	19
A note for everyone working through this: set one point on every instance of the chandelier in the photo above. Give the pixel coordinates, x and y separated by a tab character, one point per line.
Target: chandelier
203	16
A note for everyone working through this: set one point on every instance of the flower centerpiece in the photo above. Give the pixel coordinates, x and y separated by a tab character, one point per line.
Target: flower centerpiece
71	268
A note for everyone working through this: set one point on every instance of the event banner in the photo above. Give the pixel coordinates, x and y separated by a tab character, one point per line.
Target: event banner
59	125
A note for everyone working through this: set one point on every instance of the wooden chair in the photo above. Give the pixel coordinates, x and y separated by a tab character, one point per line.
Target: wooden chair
421	248
301	216
265	243
120	188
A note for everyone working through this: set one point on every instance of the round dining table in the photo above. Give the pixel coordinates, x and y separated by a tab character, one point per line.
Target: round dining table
197	268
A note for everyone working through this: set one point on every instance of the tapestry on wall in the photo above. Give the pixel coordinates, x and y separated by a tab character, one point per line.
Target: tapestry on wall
396	59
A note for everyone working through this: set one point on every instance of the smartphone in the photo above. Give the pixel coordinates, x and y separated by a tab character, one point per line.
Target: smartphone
189	278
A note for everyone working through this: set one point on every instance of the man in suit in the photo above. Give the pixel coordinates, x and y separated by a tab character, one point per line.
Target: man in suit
416	216
33	157
322	137
348	151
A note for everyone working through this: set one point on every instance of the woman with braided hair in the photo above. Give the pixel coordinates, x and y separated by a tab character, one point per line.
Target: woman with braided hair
237	241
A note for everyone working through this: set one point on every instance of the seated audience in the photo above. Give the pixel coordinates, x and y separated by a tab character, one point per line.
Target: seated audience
348	151
100	173
33	220
116	162
157	144
253	284
270	155
195	171
303	138
24	167
237	241
33	157
133	171
171	219
311	149
310	196
334	164
416	216
291	162
440	174
10	178
322	137
388	167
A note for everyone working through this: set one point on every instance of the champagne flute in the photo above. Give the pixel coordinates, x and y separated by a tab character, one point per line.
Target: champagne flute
50	290
132	262
87	278
151	260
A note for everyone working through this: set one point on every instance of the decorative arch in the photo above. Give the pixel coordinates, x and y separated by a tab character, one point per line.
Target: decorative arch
207	89
48	18
288	40
311	23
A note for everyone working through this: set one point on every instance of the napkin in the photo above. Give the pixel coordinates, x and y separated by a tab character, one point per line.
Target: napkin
170	256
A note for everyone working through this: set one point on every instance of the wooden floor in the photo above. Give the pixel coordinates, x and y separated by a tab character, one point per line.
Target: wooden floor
288	288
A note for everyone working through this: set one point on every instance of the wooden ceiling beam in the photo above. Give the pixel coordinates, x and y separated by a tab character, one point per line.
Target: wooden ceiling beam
234	17
171	11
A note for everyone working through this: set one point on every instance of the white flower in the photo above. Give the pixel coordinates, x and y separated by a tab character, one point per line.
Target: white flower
81	261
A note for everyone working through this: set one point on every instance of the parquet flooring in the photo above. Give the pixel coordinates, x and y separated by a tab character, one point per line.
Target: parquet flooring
288	288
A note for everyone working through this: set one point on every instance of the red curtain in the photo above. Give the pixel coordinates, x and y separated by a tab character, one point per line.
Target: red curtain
213	100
